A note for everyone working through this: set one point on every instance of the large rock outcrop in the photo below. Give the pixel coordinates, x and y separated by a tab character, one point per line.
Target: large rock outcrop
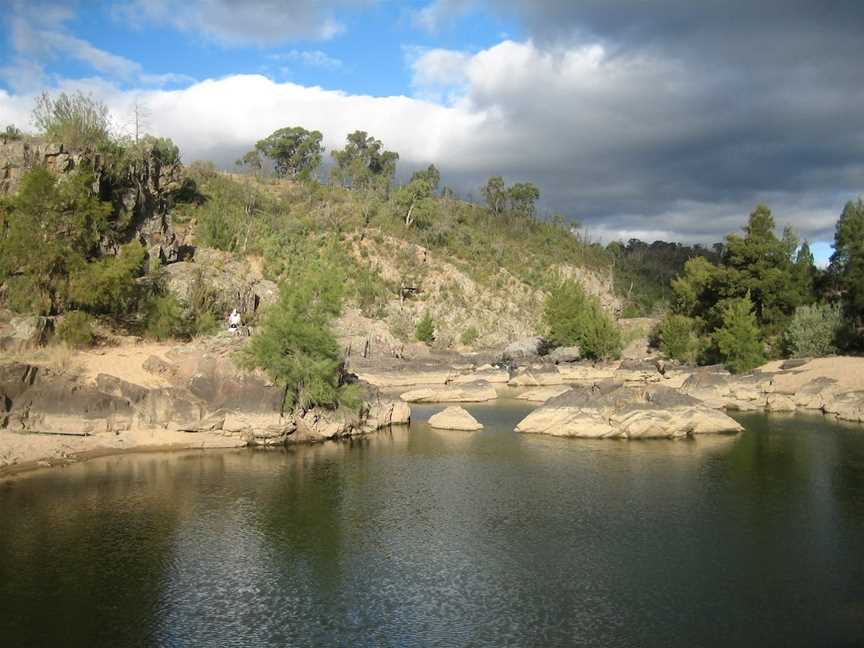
141	194
204	393
232	283
616	411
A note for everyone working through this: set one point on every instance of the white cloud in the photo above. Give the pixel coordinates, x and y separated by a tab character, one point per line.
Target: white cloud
437	74
232	22
627	144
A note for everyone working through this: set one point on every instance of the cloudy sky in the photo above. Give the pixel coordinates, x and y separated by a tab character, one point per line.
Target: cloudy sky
650	118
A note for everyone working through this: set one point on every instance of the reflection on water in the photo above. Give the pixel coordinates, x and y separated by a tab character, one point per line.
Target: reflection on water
435	537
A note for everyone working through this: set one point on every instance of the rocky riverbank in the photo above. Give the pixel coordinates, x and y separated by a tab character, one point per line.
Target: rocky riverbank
146	396
152	397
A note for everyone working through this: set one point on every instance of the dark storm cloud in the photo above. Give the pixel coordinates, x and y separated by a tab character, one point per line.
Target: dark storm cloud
743	100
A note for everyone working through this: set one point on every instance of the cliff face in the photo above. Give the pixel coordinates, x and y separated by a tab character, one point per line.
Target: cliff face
141	195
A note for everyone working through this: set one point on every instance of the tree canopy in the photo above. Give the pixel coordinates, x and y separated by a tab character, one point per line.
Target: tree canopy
295	152
364	163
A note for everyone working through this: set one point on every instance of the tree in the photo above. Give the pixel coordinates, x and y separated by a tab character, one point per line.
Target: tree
495	193
574	318
50	230
677	338
76	120
804	274
425	329
522	198
431	175
296	345
760	265
295	152
738	340
140	117
847	262
251	161
364	163
413	197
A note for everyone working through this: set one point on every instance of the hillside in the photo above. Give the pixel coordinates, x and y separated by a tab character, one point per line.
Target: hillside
483	280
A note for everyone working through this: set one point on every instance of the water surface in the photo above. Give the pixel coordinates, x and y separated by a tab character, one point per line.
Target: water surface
438	538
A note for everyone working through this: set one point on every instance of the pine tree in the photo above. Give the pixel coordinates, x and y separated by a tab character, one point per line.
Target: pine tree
296	345
738	339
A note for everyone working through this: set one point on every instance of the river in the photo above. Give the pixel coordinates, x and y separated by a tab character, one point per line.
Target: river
435	538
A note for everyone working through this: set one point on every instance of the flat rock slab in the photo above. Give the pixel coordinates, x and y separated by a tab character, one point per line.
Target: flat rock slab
455	418
617	411
543	394
468	393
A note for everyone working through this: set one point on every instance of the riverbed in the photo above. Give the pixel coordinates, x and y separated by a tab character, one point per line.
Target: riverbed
427	537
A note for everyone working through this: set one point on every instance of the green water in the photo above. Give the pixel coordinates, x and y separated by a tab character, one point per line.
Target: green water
437	538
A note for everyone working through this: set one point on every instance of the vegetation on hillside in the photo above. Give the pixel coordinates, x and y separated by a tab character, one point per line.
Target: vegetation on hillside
62	249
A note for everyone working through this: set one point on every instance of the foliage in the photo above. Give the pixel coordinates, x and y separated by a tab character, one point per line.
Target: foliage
431	175
425	329
677	338
414	199
163	316
469	335
574	318
813	331
762	265
519	199
296	346
75	120
50	231
643	272
76	330
11	133
364	163
108	285
295	152
738	340
847	266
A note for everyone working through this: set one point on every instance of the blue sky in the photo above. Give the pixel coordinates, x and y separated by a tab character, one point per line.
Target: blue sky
656	119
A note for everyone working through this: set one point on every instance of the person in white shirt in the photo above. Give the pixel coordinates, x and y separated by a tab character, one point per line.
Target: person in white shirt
234	321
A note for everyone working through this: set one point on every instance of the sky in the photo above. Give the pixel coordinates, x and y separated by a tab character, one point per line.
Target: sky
655	119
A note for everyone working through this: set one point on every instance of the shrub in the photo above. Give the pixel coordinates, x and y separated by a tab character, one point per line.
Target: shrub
164	318
108	285
425	330
812	331
738	339
469	336
573	318
74	120
677	339
76	330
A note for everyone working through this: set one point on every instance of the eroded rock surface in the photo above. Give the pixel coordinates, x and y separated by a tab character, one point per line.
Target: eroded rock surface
467	393
616	411
455	418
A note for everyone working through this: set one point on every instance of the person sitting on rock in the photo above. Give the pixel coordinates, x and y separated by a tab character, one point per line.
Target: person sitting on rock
234	321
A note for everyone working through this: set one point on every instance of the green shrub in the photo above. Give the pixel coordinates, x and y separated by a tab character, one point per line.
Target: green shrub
76	330
574	318
425	330
164	318
677	339
738	340
75	120
108	285
812	331
469	336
